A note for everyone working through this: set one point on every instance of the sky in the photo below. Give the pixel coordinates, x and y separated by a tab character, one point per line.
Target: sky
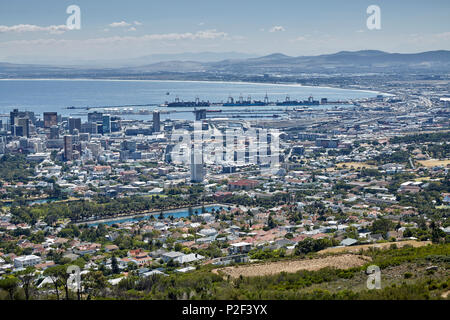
116	29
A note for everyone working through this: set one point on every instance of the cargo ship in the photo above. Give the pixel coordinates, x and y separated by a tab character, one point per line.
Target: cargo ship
247	103
289	102
178	103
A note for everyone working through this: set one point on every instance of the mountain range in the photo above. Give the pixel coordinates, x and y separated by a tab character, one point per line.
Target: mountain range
366	61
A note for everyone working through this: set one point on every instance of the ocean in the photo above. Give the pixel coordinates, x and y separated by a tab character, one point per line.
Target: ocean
56	95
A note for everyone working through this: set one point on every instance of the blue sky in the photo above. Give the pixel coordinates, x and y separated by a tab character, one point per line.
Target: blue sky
124	29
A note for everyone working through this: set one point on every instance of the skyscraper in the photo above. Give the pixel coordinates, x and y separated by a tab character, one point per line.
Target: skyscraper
106	123
197	173
68	148
74	123
22	127
156	121
95	116
50	119
54	132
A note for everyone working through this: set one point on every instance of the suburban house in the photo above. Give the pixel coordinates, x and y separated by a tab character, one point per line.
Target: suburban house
188	258
171	255
240	247
348	242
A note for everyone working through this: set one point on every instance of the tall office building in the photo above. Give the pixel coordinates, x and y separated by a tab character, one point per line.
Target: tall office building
22	127
156	121
95	116
68	148
197	172
74	123
54	132
106	123
50	119
14	117
115	124
89	127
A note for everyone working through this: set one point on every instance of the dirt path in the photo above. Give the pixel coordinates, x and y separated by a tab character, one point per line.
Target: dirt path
341	262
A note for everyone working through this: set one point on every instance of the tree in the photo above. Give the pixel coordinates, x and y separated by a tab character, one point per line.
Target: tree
59	277
26	278
271	222
52	273
114	265
9	284
436	233
381	226
93	283
311	245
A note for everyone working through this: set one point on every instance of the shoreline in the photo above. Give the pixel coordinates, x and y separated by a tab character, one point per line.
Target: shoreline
283	84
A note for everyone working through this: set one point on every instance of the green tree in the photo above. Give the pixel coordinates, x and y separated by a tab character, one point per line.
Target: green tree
382	226
26	278
9	284
93	283
114	265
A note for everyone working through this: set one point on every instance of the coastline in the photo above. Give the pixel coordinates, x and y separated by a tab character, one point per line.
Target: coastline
283	84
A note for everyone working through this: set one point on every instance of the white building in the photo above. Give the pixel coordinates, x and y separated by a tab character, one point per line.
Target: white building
26	261
240	247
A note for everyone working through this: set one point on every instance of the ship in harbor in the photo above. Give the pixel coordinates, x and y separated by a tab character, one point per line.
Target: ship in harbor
178	103
289	102
247	103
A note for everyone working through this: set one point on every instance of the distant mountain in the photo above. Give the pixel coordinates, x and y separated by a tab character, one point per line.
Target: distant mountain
196	56
366	61
143	60
344	61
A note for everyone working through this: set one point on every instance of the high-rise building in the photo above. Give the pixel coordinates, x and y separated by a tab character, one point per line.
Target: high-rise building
106	123
95	116
156	121
50	119
74	123
68	148
22	127
197	171
54	132
89	127
115	124
14	117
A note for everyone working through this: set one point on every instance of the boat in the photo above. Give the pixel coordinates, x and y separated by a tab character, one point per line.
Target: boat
196	103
